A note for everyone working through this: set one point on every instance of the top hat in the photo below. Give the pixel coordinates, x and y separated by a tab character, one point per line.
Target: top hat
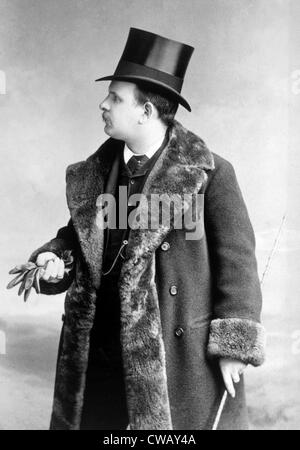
154	60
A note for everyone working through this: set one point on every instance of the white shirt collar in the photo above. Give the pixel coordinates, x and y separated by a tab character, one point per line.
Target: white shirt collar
150	152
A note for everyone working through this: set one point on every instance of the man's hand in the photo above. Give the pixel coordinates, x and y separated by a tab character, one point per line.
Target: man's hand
54	267
231	370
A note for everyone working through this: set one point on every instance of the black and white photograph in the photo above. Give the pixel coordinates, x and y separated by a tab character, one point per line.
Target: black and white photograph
150	230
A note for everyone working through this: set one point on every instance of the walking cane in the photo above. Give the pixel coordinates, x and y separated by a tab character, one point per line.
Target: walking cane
225	394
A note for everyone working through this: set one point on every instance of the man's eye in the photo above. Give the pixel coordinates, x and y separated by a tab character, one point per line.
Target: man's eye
115	99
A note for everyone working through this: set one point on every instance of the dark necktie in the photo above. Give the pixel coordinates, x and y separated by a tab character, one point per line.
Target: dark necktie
136	162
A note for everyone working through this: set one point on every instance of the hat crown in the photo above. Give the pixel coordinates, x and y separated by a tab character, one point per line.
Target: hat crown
157	52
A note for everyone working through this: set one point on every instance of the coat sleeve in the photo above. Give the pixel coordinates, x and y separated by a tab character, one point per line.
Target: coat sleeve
65	240
235	331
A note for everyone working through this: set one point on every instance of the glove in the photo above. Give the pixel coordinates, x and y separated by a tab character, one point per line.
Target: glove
29	274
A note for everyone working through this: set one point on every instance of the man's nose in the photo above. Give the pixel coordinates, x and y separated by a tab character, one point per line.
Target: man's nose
104	105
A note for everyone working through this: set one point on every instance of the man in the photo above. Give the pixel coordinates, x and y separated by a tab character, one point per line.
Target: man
156	325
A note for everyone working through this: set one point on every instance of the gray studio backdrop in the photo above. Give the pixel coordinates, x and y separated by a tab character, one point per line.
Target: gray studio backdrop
243	84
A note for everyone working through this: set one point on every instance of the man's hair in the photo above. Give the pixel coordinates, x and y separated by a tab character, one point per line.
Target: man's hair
166	108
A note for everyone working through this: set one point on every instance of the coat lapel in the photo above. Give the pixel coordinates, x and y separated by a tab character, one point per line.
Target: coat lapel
86	181
180	170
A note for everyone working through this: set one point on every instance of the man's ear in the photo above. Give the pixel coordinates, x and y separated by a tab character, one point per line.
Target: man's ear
148	112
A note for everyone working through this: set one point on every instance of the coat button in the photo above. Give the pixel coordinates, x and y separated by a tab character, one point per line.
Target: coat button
179	332
165	246
173	290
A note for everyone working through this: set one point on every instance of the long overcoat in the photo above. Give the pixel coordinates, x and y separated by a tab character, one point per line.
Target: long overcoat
184	302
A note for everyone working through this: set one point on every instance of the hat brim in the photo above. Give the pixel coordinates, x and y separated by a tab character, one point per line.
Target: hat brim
164	87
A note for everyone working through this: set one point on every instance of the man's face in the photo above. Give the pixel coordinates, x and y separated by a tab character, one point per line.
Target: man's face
121	112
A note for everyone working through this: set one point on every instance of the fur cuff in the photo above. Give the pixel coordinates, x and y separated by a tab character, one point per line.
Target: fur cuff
240	339
56	246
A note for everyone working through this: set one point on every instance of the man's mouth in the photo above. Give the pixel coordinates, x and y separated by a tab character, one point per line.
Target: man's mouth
106	119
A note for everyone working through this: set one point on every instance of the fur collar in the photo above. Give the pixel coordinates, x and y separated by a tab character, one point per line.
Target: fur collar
180	169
